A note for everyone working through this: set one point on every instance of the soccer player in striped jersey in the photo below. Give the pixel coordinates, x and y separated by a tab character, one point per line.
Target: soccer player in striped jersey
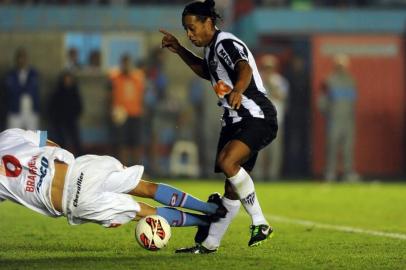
248	123
37	174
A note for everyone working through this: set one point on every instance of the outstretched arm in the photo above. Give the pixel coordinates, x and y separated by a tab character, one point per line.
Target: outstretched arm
196	63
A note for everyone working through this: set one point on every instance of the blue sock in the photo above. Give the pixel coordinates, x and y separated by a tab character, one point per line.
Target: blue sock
174	197
177	218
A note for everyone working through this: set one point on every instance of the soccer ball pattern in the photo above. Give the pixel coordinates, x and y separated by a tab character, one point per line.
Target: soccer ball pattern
153	232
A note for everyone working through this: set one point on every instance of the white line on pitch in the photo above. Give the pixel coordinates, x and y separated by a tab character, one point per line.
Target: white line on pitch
348	229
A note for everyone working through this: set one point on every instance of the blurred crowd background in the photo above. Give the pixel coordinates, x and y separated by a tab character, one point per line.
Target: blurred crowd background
92	73
257	3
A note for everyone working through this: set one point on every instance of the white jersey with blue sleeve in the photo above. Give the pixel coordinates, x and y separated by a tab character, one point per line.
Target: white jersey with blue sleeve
27	169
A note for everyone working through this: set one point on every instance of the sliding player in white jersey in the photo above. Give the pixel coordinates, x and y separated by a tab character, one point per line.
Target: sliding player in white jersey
36	173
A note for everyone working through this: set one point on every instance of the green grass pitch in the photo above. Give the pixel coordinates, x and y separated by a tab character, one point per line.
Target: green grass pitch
308	219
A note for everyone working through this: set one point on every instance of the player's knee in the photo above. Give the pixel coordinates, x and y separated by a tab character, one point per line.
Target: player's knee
228	165
152	187
146	189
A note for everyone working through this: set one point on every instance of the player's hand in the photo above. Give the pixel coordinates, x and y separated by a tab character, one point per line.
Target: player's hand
170	41
234	99
221	89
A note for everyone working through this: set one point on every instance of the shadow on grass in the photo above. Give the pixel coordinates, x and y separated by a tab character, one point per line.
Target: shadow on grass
151	260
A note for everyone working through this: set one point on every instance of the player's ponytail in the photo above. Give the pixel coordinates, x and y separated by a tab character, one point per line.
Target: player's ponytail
202	10
210	4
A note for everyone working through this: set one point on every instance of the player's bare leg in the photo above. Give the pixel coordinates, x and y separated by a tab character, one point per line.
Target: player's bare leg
230	159
146	210
144	189
237	188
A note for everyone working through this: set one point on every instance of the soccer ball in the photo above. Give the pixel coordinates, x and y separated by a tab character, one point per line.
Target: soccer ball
153	232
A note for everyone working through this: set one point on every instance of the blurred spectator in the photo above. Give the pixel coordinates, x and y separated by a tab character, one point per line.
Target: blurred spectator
240	4
226	10
157	117
94	61
22	92
3	106
54	2
158	76
127	85
65	108
196	100
278	88
338	105
297	147
72	61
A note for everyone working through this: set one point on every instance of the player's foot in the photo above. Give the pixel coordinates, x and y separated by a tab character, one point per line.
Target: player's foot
201	234
221	211
198	249
259	234
203	231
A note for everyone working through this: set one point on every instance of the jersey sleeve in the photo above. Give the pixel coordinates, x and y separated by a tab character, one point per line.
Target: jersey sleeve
37	137
230	52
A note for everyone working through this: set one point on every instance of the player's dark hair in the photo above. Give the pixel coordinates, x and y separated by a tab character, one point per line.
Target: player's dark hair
202	10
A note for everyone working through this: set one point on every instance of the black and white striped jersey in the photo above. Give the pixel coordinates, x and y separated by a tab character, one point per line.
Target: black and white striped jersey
221	57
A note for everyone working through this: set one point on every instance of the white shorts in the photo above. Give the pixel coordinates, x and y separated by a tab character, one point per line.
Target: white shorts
95	188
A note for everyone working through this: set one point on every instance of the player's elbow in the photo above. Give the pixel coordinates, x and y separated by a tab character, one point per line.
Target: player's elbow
243	67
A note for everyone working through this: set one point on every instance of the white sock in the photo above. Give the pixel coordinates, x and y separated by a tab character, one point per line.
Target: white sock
218	229
244	187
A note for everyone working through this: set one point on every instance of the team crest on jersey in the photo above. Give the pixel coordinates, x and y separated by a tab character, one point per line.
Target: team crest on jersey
213	66
242	53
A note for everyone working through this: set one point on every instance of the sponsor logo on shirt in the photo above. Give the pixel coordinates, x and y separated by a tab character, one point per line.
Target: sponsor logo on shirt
32	174
78	188
226	57
43	170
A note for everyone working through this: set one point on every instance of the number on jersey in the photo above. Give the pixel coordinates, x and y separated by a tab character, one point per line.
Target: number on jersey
10	167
